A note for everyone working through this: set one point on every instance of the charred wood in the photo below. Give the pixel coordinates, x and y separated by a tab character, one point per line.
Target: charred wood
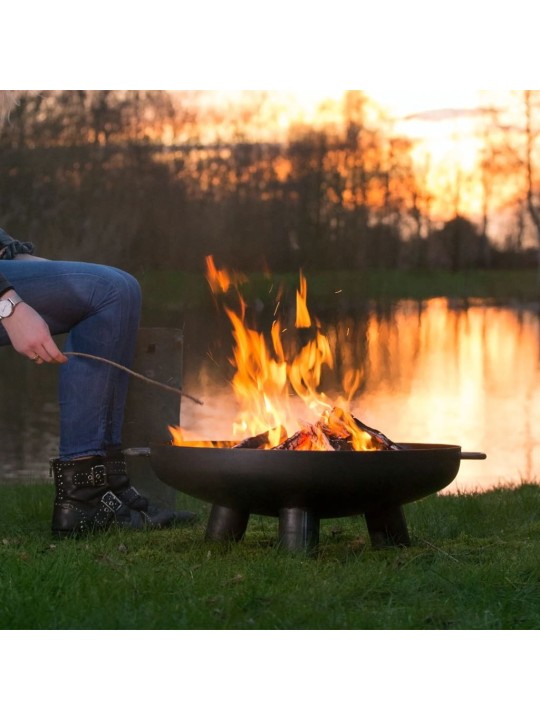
310	437
259	441
380	439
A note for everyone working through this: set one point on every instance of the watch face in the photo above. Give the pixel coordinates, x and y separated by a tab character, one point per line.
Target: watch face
6	308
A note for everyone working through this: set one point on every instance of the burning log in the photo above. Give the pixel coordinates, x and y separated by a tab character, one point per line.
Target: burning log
293	442
263	439
378	437
310	437
337	430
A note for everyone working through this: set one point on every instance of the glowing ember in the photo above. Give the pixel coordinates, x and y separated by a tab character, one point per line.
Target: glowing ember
266	381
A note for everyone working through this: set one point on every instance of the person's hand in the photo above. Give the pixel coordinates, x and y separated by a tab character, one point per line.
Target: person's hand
30	335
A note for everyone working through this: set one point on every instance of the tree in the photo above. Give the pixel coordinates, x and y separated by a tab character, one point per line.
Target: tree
511	157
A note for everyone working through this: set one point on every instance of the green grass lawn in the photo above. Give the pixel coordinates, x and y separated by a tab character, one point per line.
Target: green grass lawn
473	564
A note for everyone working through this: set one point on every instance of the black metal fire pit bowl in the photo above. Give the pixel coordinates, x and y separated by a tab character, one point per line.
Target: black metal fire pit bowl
301	488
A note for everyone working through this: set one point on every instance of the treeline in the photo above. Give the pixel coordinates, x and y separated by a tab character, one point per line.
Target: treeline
87	175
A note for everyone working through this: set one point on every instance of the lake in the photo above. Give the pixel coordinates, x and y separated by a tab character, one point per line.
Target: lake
432	372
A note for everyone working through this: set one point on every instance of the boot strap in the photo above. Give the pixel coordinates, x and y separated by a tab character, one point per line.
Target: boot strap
111	502
93	476
109	506
131	495
116	467
96	476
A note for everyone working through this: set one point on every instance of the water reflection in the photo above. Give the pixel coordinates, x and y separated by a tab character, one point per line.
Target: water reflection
432	372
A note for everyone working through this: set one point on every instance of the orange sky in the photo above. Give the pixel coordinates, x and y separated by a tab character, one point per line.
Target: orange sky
442	121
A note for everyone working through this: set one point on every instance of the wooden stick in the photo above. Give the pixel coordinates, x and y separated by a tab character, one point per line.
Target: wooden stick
137	375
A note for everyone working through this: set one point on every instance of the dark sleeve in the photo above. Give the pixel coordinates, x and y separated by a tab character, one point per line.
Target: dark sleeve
9	247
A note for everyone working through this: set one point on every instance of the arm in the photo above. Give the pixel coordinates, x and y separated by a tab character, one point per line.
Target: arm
29	333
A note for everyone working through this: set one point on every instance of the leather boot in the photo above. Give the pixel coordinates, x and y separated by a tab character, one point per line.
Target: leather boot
120	484
84	502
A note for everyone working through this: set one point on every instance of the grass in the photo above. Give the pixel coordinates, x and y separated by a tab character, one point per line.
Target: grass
344	290
473	564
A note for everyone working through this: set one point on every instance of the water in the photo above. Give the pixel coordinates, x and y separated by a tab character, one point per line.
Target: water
432	373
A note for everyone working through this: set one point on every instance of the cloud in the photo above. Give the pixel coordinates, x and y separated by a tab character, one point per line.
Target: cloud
446	114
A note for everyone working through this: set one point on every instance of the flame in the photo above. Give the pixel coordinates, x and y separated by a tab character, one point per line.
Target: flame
266	381
341	424
182	438
305	371
303	319
260	381
221	280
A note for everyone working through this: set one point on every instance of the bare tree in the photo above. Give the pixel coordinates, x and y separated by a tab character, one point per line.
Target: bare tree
510	157
531	136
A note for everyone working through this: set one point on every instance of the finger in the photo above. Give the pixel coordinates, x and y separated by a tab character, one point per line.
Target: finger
50	353
35	357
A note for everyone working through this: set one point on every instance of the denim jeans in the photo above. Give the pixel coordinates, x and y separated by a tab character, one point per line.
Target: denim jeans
99	307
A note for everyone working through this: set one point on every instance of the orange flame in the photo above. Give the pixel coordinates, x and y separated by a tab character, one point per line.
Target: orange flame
266	381
341	424
303	319
182	437
221	280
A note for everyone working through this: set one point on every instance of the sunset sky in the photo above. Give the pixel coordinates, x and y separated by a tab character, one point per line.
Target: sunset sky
442	121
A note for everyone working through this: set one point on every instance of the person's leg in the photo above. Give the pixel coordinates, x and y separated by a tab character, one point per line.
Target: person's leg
99	308
114	460
113	437
109	331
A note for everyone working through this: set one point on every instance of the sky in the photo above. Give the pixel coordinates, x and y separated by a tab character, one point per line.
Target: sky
442	122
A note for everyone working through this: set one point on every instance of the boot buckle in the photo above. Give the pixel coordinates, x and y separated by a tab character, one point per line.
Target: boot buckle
95	476
111	502
98	475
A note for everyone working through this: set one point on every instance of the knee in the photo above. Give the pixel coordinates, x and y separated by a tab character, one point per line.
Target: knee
133	288
125	286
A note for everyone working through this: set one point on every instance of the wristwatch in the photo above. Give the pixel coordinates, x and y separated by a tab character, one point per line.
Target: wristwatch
8	305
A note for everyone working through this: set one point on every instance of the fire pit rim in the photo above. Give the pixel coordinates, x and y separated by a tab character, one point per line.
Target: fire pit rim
331	484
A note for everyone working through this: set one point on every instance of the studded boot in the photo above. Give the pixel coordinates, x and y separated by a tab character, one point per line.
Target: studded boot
84	502
120	484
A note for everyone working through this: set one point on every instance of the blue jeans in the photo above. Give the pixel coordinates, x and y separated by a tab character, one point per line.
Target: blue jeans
99	307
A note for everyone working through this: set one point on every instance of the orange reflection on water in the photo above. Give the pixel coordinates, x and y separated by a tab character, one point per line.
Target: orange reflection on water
464	376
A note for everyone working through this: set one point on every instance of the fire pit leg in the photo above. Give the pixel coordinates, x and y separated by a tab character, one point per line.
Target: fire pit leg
226	523
388	527
298	530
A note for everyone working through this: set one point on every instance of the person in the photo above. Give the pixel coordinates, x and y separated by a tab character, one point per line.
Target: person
99	308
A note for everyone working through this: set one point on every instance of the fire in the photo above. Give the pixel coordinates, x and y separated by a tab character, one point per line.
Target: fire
341	424
266	382
260	381
221	280
182	437
303	319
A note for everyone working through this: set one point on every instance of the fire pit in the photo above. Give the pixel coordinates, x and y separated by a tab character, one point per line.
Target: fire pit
302	488
334	467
